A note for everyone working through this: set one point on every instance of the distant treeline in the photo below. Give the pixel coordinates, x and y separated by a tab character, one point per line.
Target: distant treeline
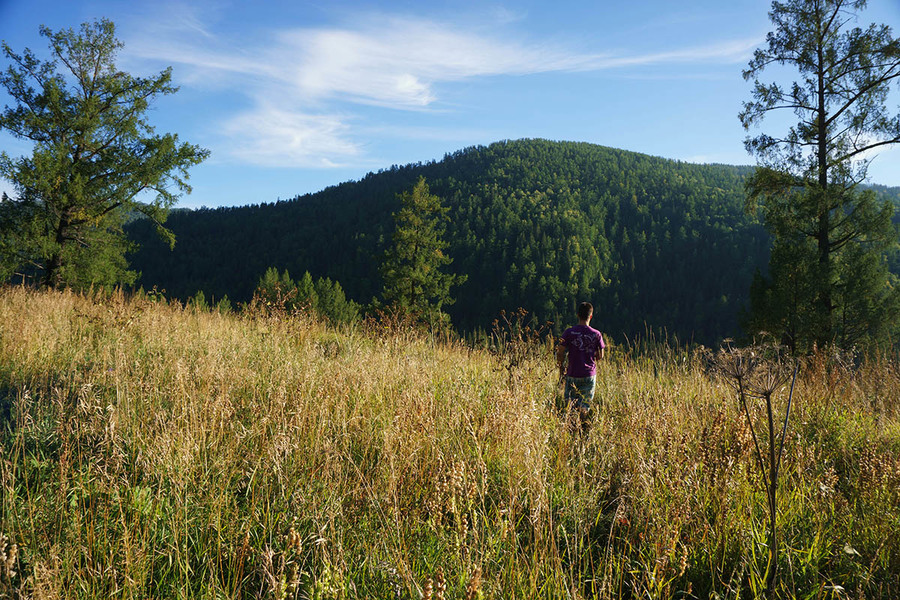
533	223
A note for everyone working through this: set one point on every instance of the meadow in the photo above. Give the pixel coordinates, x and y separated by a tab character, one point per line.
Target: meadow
155	450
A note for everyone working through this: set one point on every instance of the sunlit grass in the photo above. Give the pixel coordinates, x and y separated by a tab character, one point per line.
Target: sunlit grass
155	451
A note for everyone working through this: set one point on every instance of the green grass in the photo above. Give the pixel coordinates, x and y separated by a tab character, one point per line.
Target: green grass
154	451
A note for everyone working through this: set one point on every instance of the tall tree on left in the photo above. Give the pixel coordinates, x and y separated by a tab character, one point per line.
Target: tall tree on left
96	161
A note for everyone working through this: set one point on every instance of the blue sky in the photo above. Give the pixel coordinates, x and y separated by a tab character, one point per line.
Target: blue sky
294	96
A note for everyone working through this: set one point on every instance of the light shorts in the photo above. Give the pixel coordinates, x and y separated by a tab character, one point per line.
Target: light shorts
579	391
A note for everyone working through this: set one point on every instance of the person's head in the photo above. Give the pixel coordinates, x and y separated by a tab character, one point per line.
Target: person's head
585	310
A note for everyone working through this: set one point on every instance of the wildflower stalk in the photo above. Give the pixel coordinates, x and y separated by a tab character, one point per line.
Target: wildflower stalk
759	457
755	377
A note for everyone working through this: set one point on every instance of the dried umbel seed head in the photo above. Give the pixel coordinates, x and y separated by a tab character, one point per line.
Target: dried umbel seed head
758	370
734	364
770	376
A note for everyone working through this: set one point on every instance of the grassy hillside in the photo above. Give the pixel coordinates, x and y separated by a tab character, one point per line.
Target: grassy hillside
533	223
150	450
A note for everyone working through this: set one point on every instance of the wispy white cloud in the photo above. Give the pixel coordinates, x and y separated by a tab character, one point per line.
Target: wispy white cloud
504	15
178	33
728	52
386	61
276	137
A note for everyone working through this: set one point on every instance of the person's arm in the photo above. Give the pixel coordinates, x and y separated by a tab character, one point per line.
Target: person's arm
561	357
598	355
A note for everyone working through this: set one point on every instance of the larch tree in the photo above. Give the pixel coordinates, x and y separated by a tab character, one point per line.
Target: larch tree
828	280
96	161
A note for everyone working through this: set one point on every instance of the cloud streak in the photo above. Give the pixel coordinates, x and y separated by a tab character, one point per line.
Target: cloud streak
398	63
273	136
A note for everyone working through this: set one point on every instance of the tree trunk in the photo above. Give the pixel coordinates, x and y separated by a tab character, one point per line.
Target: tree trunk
824	303
52	278
51	271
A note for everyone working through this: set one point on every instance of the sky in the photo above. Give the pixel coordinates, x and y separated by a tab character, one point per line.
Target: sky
292	96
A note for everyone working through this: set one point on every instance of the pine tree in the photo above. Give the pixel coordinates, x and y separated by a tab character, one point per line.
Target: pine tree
414	283
808	179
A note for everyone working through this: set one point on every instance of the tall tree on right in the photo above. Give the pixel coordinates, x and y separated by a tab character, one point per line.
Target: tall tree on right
828	280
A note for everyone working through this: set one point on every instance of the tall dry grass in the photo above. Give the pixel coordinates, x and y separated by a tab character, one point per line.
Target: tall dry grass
151	450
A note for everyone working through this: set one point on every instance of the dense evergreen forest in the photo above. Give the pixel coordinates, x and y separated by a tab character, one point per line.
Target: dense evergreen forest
533	223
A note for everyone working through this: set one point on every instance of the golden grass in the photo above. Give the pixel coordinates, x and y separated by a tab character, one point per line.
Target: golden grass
155	451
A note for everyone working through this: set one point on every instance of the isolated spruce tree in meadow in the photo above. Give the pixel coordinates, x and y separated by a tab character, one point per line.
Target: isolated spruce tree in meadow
415	284
828	279
96	161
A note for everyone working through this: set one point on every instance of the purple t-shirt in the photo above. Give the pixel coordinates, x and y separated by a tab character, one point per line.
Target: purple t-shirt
582	342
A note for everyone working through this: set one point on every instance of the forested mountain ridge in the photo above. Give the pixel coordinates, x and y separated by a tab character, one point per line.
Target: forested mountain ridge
533	223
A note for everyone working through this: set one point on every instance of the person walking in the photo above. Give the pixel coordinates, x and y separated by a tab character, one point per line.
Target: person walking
584	346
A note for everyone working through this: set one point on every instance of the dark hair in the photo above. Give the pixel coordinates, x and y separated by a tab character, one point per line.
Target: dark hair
584	310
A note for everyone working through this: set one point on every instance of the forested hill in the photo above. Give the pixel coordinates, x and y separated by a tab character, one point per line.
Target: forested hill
534	223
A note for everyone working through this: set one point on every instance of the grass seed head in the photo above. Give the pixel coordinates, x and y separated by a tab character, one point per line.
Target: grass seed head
440	584
473	589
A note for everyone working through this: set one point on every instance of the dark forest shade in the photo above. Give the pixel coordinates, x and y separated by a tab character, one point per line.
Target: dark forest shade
533	223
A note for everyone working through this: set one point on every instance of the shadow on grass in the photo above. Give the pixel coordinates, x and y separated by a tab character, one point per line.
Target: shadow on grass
7	393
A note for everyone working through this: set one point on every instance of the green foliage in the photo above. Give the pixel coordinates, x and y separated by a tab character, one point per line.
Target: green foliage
414	283
331	302
199	301
322	296
808	182
532	223
781	301
95	158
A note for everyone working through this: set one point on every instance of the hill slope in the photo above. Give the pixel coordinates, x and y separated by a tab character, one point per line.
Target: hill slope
534	223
